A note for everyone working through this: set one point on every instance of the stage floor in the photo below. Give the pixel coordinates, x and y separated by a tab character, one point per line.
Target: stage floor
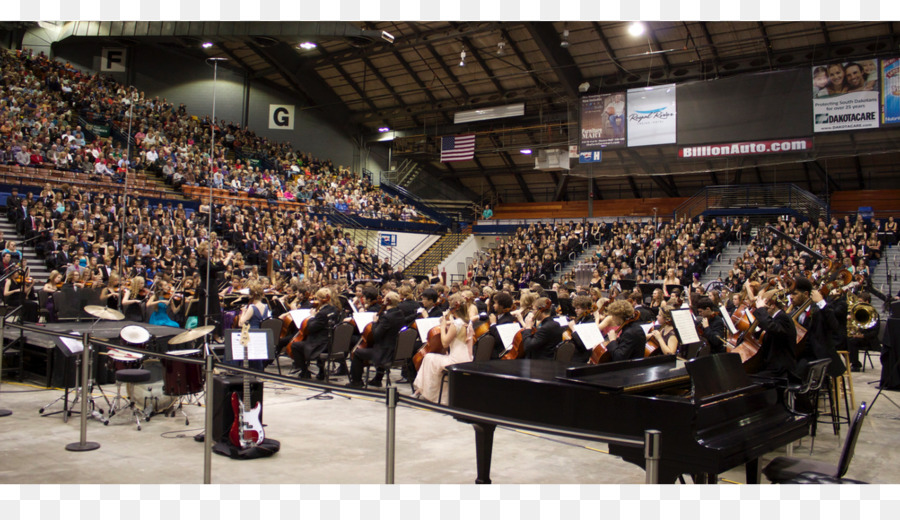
343	441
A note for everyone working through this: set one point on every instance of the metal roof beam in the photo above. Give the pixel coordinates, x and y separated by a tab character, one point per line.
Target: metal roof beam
562	63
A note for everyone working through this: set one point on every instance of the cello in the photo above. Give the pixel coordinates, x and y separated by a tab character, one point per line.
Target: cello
433	345
600	353
517	351
301	330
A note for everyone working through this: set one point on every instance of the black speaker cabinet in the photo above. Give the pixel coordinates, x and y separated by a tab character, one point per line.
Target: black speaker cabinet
223	416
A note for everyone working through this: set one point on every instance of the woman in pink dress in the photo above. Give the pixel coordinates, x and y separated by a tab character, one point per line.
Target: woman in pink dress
457	339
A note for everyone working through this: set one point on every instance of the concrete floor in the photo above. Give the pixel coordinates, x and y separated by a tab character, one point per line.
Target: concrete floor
343	441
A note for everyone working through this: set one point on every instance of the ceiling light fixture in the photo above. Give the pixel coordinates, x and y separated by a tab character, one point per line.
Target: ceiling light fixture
384	129
636	29
565	39
525	151
207	45
462	58
307	46
501	51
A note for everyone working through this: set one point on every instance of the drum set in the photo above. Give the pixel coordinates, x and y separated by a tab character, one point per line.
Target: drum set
171	384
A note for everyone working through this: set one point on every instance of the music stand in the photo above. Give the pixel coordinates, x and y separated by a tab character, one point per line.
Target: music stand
69	349
257	336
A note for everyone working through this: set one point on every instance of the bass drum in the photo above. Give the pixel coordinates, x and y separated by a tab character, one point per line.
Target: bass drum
150	396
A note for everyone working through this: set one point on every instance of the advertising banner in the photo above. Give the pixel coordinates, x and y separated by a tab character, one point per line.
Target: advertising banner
651	115
845	96
890	93
746	148
602	121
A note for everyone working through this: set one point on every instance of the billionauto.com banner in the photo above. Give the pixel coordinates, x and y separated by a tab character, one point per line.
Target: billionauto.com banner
845	96
651	115
747	148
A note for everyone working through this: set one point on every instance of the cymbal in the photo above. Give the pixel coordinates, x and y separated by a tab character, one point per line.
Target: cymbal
190	335
104	313
134	334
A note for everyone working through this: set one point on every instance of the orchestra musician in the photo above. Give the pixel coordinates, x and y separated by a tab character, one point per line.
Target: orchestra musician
503	306
712	325
457	339
627	339
864	339
542	333
821	325
584	313
430	309
315	342
255	313
384	337
664	331
780	339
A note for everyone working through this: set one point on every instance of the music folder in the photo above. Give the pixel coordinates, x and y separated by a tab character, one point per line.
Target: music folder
261	346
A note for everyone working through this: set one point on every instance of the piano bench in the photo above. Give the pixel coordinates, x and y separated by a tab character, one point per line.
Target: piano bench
811	477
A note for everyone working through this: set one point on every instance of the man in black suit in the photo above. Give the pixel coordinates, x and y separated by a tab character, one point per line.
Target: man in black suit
384	339
542	334
712	324
821	325
780	340
583	307
637	301
315	342
503	304
12	205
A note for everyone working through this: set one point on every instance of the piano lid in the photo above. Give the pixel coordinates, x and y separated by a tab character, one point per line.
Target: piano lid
709	375
632	375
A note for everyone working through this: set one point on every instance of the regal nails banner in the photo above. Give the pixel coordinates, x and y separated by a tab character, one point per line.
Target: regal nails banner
602	121
845	96
651	115
890	91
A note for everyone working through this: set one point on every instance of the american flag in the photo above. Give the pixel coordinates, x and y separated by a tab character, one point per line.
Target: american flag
457	148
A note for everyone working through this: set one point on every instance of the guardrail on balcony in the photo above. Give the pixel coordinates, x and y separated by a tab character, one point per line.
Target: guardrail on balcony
753	199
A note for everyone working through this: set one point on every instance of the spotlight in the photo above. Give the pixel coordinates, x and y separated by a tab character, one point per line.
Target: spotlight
565	39
584	87
207	45
525	151
636	29
307	46
462	58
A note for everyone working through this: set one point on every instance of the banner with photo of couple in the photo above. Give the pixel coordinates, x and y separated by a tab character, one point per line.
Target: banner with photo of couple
845	96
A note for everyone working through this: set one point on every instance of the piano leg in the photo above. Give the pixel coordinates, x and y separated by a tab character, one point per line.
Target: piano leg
753	470
484	446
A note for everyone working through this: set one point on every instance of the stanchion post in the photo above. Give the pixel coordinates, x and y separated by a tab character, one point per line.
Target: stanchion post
651	455
207	437
3	413
83	444
391	403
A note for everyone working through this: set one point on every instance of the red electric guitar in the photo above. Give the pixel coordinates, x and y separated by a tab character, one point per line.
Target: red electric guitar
247	430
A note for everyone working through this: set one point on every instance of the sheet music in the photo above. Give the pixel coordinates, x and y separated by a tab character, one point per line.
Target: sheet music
298	315
243	291
507	332
352	307
728	323
425	325
590	334
75	346
684	324
646	328
362	319
256	349
562	320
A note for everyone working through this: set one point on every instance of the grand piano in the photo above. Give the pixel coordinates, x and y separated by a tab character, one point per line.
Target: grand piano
711	416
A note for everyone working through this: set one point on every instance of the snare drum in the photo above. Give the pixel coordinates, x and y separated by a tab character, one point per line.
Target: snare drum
135	336
183	378
120	360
